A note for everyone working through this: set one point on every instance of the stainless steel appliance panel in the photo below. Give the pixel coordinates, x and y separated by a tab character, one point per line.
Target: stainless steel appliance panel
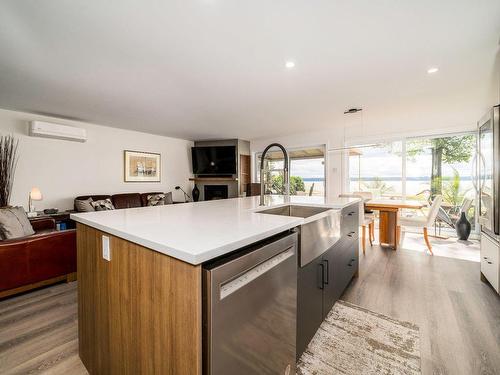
250	311
489	175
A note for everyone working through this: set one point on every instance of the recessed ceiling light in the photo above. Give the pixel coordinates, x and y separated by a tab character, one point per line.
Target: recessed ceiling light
432	70
290	64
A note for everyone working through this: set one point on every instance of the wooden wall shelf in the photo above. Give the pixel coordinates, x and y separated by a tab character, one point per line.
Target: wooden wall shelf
213	179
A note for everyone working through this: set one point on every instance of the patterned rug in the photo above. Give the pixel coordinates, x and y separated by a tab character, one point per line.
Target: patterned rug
353	341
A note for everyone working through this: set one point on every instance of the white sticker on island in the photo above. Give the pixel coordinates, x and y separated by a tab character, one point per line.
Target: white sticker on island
106	251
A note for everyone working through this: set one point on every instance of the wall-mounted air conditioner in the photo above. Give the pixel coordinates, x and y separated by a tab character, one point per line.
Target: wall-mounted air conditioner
57	131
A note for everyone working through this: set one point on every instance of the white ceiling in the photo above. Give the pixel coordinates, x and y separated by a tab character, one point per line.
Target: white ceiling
216	68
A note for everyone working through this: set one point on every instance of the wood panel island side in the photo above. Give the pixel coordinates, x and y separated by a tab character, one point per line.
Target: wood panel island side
139	313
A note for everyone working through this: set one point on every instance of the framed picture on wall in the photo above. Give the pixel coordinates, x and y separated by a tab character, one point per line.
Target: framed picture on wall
142	166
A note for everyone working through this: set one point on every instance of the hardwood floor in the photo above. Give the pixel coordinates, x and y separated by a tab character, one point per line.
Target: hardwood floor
39	332
458	315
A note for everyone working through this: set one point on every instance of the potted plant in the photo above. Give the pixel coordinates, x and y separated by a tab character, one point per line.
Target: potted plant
8	164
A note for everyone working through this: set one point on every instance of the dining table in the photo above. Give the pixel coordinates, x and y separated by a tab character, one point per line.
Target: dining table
388	217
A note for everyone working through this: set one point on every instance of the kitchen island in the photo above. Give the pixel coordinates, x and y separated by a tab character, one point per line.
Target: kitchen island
140	291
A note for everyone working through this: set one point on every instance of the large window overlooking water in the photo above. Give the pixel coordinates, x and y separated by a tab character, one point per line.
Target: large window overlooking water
377	169
419	168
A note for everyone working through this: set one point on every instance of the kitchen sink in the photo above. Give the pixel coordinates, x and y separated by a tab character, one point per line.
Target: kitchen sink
316	236
296	211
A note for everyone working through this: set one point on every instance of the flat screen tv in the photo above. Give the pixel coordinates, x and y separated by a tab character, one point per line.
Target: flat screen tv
214	160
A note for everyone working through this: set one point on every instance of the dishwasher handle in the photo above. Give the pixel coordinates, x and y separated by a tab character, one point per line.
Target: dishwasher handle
231	286
239	265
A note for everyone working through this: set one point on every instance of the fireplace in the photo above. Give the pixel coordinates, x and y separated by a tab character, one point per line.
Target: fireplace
215	192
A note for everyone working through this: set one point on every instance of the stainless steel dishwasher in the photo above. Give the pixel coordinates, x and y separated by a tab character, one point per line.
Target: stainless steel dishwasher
249	310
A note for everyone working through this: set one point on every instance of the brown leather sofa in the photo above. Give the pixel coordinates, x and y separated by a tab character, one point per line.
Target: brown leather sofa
125	200
44	258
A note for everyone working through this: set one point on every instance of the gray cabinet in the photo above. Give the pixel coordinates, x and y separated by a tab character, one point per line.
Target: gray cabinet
309	302
321	282
341	265
350	220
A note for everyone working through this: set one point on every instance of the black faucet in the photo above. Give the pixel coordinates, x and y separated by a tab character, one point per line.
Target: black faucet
285	172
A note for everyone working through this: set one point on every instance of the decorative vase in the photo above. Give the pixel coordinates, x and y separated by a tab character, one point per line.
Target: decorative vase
463	227
196	194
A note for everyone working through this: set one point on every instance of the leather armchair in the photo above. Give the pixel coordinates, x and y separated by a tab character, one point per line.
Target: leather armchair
46	257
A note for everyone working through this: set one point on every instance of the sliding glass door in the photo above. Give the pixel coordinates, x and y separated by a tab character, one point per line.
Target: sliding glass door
443	166
307	171
419	168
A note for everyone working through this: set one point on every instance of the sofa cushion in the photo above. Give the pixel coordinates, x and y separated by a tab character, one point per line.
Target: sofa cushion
127	200
144	197
103	205
84	205
96	197
14	223
156	200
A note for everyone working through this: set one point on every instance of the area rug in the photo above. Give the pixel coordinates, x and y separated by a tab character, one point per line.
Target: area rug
353	341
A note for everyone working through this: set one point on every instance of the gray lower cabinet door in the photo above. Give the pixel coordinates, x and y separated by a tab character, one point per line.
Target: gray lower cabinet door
341	263
331	260
309	302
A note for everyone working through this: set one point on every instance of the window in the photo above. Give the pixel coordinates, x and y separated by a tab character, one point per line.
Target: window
377	169
443	166
419	168
307	171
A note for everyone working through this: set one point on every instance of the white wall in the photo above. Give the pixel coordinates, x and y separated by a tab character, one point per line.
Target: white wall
65	169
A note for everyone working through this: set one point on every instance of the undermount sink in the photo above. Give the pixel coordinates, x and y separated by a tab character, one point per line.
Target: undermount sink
316	236
295	211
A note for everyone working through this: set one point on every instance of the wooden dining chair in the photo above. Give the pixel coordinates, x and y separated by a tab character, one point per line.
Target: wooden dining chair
423	222
366	221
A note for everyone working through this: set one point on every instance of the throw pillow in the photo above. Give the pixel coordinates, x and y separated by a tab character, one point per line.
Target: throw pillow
156	200
168	198
103	205
14	223
84	205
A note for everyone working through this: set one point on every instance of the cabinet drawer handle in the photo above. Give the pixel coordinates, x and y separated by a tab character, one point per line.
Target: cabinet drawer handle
352	260
326	272
351	234
490	262
351	213
322	284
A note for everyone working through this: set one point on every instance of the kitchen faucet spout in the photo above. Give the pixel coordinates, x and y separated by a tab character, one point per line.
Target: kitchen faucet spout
285	172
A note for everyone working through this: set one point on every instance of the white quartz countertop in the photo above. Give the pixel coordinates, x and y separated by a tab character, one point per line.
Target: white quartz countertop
201	231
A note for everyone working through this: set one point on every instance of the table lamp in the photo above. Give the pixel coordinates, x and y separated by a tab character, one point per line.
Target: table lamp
35	195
